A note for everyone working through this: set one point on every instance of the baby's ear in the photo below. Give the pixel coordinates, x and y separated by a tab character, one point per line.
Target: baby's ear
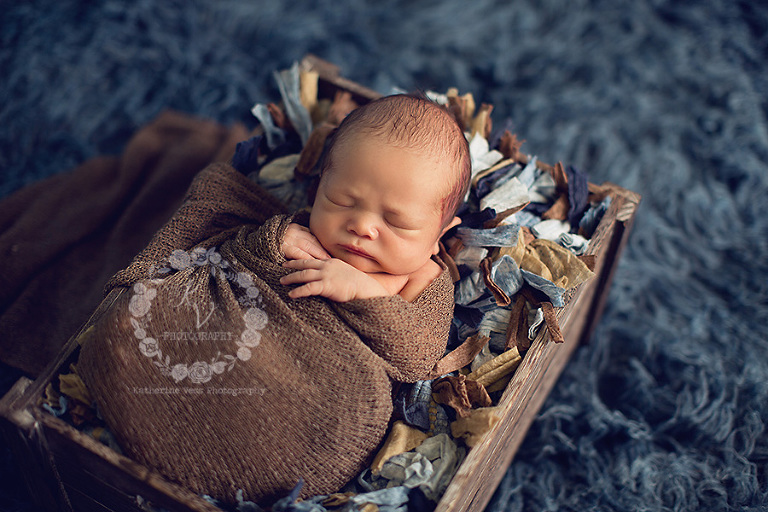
454	222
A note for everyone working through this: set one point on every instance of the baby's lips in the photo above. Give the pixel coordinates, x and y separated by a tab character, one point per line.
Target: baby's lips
357	250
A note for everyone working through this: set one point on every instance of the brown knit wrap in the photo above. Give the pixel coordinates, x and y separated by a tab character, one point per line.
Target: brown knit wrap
315	379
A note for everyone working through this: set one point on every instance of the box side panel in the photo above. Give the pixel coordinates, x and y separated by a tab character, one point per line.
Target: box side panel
93	474
626	209
485	465
24	438
474	484
86	503
330	81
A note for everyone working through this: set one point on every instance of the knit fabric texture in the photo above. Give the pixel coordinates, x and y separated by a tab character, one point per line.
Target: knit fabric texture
295	389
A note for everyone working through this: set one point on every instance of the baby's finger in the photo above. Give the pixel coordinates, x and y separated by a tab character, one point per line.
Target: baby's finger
293	252
317	251
307	290
301	276
304	264
312	247
300	238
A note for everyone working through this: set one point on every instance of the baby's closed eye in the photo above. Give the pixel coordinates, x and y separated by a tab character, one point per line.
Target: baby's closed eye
400	221
397	224
342	202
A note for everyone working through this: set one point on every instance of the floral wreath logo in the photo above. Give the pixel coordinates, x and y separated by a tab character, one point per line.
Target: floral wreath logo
198	372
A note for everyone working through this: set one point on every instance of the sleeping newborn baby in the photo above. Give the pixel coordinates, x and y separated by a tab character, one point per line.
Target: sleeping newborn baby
255	349
388	191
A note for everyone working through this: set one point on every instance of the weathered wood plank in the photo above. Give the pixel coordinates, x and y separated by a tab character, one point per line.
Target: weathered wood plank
476	480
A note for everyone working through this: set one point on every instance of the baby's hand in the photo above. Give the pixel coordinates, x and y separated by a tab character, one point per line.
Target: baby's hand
299	244
331	278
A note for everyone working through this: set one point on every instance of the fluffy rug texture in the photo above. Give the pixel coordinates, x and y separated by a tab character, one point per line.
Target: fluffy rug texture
666	408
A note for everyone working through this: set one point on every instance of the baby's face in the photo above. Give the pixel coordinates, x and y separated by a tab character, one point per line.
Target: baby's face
378	207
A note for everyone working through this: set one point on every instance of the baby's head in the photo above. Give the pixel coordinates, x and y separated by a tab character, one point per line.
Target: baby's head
395	173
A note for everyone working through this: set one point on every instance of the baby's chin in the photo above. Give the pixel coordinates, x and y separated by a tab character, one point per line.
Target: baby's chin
370	266
361	263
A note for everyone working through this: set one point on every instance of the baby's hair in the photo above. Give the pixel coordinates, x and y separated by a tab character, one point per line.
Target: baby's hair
414	122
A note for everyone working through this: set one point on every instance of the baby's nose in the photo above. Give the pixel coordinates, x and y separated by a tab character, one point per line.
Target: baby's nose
363	226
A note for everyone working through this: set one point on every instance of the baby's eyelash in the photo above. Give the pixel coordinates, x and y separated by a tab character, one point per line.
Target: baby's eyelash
339	202
399	224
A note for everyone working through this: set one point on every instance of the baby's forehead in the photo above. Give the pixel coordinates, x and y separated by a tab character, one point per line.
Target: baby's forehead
425	147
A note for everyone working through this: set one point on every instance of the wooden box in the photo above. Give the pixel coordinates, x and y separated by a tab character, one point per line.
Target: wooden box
67	470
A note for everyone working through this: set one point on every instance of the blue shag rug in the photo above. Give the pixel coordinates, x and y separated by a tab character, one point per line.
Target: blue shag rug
666	408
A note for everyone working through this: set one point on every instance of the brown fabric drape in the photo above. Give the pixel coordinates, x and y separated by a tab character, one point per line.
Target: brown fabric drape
208	372
62	238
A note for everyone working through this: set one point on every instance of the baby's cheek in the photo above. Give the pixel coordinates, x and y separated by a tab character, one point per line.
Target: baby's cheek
403	257
321	236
